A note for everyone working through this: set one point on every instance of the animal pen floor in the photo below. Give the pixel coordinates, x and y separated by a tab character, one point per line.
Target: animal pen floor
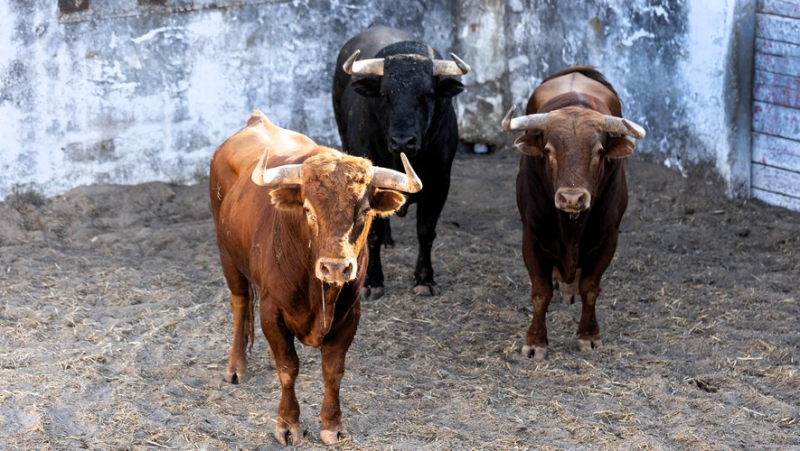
115	329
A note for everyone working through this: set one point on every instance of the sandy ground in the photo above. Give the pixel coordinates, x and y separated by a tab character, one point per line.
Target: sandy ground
115	329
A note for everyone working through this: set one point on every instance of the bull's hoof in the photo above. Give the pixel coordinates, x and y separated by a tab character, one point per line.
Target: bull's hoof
333	436
372	293
288	434
588	345
539	352
425	290
235	375
568	298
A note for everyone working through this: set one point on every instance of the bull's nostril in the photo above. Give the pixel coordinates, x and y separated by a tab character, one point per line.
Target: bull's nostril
402	142
324	270
347	270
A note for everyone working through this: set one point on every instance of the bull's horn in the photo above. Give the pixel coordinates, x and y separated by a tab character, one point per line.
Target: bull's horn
282	175
622	126
457	67
391	179
530	122
364	67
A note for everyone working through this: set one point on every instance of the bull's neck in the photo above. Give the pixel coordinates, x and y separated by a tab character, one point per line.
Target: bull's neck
571	227
322	301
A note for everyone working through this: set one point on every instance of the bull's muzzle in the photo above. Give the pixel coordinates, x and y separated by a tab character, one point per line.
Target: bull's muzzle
336	270
573	200
405	144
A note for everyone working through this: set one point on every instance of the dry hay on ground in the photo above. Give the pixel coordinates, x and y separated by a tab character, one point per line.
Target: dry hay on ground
116	327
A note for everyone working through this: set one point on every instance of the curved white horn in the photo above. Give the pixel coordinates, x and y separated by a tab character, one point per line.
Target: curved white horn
622	126
282	175
364	67
529	122
457	67
391	179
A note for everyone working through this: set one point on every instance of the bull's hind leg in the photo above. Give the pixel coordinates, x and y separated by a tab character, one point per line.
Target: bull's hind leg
541	293
334	350
281	342
242	307
569	291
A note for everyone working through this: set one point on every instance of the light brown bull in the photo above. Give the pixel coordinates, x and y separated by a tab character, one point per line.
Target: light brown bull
292	220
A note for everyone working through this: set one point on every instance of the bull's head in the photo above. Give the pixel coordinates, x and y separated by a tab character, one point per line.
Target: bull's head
410	84
338	195
576	143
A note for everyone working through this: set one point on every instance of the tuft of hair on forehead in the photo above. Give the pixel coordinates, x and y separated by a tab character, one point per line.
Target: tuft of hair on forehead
563	120
333	171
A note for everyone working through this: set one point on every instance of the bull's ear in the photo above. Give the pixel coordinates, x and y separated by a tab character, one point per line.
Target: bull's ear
286	197
385	202
368	86
619	148
530	144
448	87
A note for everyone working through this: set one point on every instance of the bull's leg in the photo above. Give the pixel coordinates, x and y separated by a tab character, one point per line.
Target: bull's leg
541	275
388	241
242	307
429	207
334	350
589	328
569	291
373	285
281	342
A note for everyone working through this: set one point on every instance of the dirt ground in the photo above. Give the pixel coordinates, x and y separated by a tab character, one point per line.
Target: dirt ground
115	329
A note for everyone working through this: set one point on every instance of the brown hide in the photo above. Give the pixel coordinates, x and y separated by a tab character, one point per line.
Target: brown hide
282	241
571	194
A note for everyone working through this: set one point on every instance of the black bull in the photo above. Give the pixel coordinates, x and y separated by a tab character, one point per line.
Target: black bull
399	99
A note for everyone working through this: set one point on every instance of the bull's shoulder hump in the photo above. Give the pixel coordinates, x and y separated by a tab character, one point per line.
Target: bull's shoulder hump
574	83
241	151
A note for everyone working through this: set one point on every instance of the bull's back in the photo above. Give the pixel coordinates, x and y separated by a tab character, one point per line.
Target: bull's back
575	81
238	205
234	161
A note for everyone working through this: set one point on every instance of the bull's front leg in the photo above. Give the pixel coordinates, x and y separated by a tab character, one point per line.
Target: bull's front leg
334	350
541	273
373	285
281	342
429	207
589	327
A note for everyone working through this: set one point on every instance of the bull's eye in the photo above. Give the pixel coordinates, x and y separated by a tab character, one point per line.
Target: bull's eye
598	150
309	214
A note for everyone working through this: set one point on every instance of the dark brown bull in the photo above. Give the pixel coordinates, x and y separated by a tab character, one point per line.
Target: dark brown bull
292	220
571	192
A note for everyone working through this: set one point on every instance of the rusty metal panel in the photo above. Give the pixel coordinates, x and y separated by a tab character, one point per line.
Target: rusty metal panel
72	6
80	10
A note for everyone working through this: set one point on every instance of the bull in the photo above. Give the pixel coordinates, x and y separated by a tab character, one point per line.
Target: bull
571	192
291	220
398	99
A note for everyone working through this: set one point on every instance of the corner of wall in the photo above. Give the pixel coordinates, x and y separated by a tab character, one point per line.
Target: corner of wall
738	85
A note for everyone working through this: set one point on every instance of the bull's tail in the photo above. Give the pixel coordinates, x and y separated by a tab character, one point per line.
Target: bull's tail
249	318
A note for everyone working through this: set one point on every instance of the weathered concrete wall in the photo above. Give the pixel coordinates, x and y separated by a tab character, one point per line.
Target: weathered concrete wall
682	67
125	91
128	91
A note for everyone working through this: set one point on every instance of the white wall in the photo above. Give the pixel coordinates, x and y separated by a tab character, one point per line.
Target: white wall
125	93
